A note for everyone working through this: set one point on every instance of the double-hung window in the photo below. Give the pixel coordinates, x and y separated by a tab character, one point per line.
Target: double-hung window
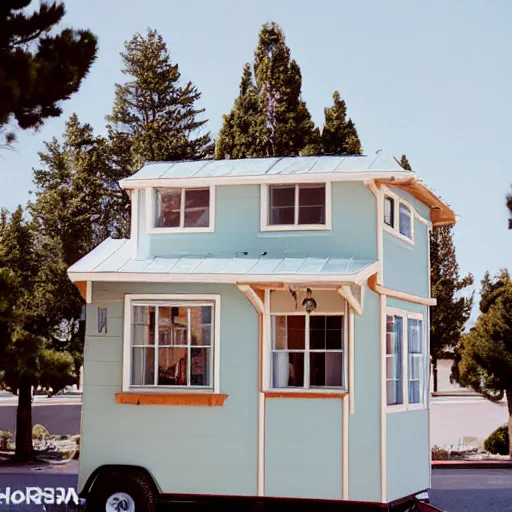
303	206
170	343
307	351
405	359
180	209
398	218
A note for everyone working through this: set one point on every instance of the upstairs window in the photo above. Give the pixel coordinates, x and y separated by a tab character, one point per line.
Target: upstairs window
398	218
180	209
405	227
296	206
389	211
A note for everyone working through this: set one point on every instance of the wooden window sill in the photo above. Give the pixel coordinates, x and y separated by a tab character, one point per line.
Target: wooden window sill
194	399
303	394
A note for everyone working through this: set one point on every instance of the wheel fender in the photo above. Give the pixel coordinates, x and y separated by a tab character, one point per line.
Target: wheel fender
109	469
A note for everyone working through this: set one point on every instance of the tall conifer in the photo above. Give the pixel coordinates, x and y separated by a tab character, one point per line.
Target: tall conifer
339	135
283	125
155	117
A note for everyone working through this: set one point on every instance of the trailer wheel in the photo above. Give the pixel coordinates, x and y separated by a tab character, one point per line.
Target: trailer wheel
122	493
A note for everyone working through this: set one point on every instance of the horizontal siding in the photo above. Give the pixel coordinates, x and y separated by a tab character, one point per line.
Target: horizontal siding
188	449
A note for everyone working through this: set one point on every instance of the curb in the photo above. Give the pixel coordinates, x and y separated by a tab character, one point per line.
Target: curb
472	464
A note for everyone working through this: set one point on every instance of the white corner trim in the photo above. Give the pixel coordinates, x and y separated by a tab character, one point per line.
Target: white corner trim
379	198
351	361
311	177
134	219
88	292
151	229
345	449
129	299
264	209
252	296
383	402
261	444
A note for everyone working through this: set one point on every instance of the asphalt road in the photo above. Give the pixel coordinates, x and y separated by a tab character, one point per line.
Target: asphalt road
59	415
472	490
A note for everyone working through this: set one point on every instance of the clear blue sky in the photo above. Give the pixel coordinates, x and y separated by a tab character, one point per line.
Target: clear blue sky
429	79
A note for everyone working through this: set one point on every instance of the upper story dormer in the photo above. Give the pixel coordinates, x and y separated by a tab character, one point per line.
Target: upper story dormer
276	205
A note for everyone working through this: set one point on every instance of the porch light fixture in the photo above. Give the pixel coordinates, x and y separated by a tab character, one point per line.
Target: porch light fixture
309	303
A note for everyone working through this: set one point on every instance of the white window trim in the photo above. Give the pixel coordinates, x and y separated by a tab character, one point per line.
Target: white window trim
406	406
268	354
395	230
151	229
264	209
162	298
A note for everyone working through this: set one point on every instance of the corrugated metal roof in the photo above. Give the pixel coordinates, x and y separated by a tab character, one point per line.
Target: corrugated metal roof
267	167
116	256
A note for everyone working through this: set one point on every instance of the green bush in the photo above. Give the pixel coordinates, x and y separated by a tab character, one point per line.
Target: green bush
497	442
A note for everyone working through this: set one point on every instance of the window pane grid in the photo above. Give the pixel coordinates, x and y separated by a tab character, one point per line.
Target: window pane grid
306	367
188	363
181	207
297	204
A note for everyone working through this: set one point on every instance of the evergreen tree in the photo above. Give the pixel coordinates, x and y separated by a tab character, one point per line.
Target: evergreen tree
339	135
154	117
34	276
448	318
38	68
280	122
243	133
77	207
484	356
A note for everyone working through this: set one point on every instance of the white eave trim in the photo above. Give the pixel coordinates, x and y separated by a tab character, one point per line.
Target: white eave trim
154	277
310	177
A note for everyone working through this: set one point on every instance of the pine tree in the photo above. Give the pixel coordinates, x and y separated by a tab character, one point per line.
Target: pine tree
77	206
154	117
34	277
243	133
484	356
339	135
448	318
281	122
39	68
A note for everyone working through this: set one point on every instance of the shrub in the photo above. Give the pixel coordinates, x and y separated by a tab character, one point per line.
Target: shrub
440	453
497	442
40	433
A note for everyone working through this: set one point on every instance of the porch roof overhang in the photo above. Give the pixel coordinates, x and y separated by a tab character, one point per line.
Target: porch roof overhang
114	261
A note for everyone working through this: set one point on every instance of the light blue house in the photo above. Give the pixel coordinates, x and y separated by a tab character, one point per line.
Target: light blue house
263	333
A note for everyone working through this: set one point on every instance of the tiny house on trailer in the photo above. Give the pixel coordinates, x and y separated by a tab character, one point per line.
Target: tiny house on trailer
262	335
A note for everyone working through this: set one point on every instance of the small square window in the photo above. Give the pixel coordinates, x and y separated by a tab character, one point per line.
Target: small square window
297	205
182	208
389	211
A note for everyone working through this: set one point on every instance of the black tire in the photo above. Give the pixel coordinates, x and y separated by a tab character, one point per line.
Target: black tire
137	486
